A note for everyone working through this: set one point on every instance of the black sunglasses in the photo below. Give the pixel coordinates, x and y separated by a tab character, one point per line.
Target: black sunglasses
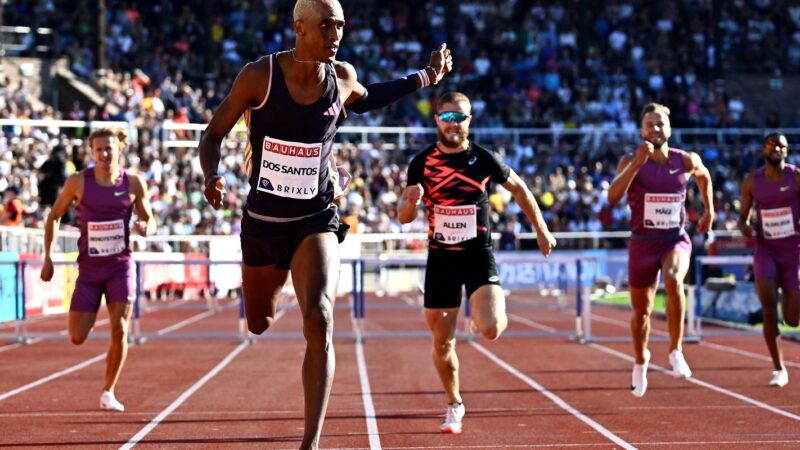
453	116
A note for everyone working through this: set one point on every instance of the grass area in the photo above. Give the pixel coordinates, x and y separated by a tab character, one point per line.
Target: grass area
624	299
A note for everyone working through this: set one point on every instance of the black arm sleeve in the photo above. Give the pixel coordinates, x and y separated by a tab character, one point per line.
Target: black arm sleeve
383	94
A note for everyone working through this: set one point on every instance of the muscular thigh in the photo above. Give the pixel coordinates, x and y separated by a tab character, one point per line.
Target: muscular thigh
315	269
261	287
442	323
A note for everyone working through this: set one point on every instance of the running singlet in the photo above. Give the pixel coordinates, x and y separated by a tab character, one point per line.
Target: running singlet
657	198
455	194
104	215
777	208
288	150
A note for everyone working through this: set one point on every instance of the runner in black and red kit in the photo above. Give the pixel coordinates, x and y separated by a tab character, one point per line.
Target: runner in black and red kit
452	177
294	101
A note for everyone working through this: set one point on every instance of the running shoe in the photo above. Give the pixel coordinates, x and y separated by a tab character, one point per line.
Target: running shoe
780	378
452	419
110	403
639	376
679	367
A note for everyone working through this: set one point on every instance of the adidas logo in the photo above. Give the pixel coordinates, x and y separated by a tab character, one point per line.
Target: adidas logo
333	110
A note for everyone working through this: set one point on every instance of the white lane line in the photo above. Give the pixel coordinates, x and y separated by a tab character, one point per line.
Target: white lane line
185	322
560	445
366	392
554	398
725	348
183	397
61	373
531	323
52	376
702	383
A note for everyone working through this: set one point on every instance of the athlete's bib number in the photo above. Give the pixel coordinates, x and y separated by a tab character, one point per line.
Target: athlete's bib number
454	224
662	211
106	238
289	169
777	223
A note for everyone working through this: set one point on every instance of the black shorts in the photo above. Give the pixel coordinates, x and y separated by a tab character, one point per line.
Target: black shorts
274	243
448	270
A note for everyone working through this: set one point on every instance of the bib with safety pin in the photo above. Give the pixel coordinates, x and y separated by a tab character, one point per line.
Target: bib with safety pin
777	223
106	238
662	211
455	224
289	169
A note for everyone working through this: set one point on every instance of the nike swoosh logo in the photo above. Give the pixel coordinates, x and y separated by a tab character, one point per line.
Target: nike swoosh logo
784	188
673	171
117	194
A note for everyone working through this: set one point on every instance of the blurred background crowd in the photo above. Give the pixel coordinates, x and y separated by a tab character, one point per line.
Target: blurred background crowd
576	71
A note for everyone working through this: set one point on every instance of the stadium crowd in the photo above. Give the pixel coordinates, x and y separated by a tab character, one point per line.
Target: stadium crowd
560	68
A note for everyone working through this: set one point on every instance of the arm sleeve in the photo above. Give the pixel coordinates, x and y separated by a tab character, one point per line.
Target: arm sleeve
415	170
383	94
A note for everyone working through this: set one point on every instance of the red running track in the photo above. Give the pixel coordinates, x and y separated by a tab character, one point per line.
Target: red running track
192	391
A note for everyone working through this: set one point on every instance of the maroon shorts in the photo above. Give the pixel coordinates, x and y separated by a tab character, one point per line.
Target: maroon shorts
117	282
645	258
780	264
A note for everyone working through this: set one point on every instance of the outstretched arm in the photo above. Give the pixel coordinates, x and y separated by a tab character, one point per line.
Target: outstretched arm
377	95
526	201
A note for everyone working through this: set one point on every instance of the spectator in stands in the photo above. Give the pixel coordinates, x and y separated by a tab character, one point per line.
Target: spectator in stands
12	209
53	174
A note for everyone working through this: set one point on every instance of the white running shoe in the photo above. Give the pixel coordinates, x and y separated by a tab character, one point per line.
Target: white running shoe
639	376
679	367
780	378
452	419
110	403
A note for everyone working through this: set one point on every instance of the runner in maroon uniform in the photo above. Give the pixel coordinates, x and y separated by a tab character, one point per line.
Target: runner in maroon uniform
294	101
451	177
105	195
655	178
774	188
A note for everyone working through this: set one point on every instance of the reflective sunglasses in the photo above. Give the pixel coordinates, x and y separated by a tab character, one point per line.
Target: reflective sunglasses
453	116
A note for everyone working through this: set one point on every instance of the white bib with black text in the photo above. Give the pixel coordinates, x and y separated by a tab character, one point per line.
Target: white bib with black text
777	223
455	224
662	211
289	169
106	238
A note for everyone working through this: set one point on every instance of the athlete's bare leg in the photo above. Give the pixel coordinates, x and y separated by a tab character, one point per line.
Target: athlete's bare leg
768	295
642	308
119	318
80	325
315	274
489	310
674	270
261	286
442	322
